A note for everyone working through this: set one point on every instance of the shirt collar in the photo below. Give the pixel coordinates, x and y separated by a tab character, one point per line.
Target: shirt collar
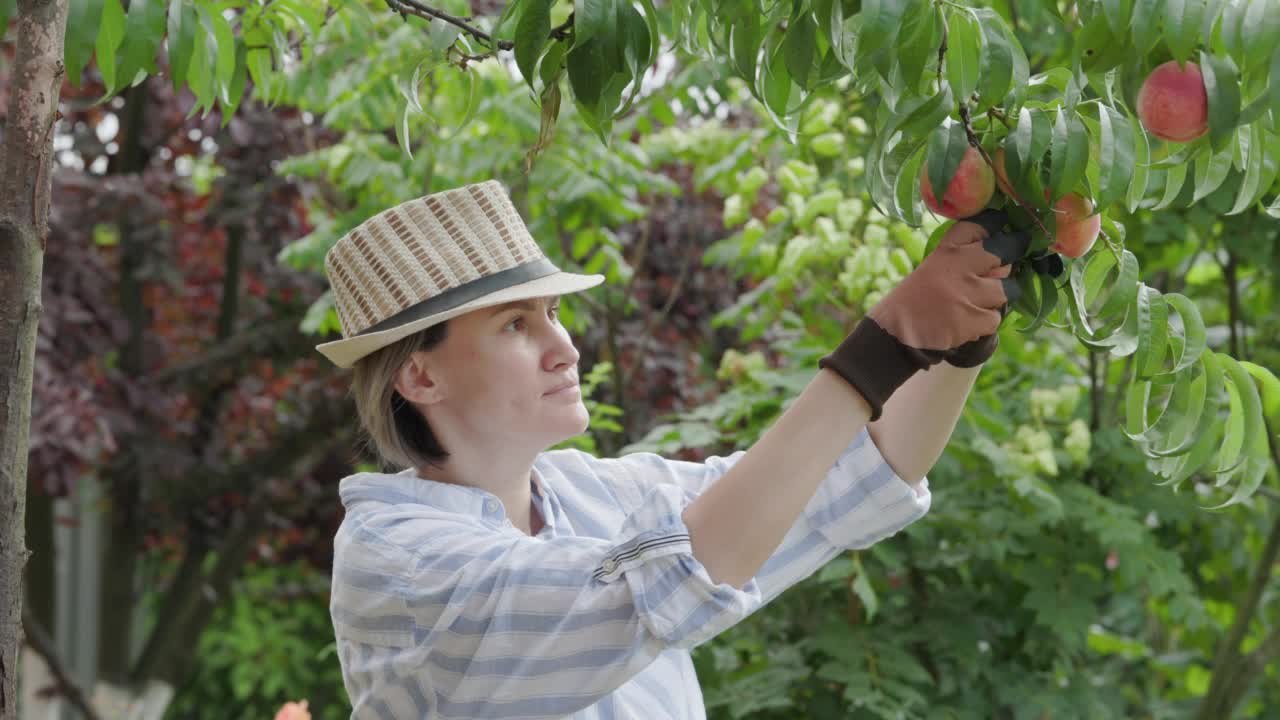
407	487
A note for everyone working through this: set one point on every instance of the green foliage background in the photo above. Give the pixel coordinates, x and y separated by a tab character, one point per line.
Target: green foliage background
1054	577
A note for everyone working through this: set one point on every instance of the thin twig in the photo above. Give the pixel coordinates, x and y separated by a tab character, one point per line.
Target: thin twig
973	140
413	7
40	641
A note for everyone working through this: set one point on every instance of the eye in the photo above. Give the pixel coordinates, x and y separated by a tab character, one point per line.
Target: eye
554	311
515	321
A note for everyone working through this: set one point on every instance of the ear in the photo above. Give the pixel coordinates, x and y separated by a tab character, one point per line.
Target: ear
418	381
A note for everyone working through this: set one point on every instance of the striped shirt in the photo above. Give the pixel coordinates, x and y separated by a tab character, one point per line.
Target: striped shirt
444	609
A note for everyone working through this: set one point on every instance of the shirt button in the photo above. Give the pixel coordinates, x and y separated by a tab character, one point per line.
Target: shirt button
491	506
610	565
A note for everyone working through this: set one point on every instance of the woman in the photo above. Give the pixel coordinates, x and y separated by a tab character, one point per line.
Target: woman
492	578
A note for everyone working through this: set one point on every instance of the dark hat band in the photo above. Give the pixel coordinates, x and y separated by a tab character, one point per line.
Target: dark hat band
463	294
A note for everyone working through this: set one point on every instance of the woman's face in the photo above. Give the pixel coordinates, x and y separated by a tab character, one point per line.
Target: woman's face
498	367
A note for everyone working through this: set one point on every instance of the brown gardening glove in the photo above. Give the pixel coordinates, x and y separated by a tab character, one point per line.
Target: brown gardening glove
948	308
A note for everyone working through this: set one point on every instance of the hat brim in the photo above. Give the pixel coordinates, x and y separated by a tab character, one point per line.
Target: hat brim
344	353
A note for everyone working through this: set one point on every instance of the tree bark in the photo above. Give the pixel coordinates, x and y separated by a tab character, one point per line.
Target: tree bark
25	173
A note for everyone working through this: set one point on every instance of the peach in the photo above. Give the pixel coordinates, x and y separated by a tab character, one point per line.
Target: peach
969	191
1173	104
1077	226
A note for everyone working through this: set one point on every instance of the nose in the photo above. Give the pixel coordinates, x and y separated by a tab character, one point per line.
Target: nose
562	352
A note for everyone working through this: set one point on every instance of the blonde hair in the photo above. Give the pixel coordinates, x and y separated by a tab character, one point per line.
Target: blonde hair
394	431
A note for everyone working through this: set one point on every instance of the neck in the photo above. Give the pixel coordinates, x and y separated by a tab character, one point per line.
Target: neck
509	482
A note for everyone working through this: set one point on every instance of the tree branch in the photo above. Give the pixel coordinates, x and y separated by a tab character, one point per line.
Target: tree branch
40	641
413	7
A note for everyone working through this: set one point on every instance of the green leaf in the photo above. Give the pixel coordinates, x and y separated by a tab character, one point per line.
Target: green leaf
881	20
996	68
1266	171
1182	27
798	49
777	82
1175	178
81	35
947	146
1193	331
1273	85
586	73
1223	87
1141	166
1211	169
1146	24
1261	33
590	18
198	71
533	31
1118	12
6	11
1153	338
145	31
225	55
1115	156
1229	29
181	43
964	51
1069	154
918	42
1268	388
1210	428
110	34
1252	169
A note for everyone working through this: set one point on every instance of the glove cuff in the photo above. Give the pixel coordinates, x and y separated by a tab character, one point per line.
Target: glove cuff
876	364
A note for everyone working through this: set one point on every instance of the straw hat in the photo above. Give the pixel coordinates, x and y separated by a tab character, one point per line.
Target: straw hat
430	259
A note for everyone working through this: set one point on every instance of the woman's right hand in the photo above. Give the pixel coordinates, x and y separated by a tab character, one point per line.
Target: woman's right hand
956	296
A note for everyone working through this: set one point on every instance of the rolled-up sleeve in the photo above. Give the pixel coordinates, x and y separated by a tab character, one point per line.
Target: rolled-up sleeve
504	625
860	502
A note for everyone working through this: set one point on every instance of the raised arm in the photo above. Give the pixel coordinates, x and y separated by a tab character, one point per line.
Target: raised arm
954	298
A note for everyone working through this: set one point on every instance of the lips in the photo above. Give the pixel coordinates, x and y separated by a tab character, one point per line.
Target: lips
563	386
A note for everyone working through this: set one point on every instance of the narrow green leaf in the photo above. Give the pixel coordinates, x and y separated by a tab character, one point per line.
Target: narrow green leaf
1229	455
1182	27
1209	432
1222	85
1069	153
1182	435
907	188
798	49
918	42
1252	170
1116	157
1151	362
1211	169
881	20
590	18
1229	28
947	146
586	73
1141	166
745	36
1193	331
1124	289
1175	177
199	71
110	34
996	66
533	31
181	40
145	31
223	47
81	36
1118	12
1261	33
1268	388
1146	24
964	51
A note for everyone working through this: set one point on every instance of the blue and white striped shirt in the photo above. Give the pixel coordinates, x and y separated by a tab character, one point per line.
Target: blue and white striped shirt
444	609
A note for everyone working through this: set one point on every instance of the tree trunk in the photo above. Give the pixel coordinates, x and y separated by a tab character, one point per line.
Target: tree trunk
25	174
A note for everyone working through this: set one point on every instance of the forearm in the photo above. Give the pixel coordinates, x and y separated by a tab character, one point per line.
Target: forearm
739	521
920	417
